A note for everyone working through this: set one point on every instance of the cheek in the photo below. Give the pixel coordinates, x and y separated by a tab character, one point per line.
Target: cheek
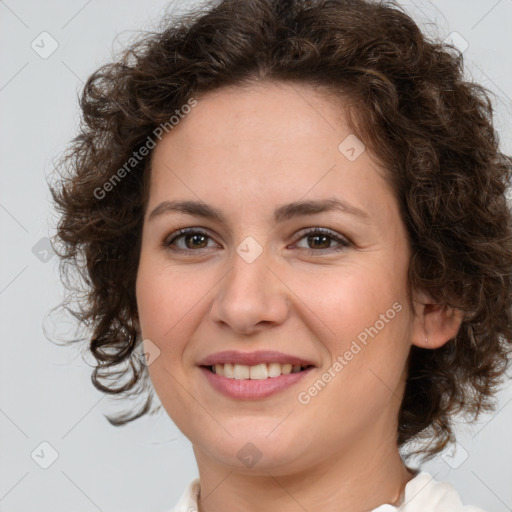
171	301
167	301
364	325
164	295
351	298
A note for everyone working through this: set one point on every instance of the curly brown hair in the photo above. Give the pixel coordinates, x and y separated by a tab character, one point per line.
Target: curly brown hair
431	128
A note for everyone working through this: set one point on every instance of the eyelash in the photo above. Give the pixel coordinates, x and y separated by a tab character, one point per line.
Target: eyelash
343	243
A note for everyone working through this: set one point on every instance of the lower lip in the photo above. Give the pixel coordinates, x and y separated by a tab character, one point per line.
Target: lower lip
252	389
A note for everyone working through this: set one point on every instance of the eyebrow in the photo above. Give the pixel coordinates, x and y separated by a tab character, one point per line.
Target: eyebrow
282	213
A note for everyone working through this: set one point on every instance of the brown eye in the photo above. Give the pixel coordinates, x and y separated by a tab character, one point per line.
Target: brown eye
195	241
189	240
321	239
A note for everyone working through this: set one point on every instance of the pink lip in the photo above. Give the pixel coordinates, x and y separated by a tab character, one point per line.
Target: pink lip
253	358
252	389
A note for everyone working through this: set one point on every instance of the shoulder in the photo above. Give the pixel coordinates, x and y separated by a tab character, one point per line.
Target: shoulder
188	500
423	493
426	494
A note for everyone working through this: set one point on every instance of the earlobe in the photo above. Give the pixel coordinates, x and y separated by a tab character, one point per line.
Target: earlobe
434	324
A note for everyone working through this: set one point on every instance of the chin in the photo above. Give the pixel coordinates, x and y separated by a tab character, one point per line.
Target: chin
260	453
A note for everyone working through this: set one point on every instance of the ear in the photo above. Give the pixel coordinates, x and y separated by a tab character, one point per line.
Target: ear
434	325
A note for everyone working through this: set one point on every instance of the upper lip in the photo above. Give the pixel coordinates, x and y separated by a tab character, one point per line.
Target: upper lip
253	358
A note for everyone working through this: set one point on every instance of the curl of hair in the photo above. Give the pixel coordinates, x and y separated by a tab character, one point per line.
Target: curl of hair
412	107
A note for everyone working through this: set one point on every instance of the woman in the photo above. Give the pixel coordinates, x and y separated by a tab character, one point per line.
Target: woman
299	207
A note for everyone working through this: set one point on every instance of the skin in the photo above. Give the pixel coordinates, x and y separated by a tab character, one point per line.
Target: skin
247	151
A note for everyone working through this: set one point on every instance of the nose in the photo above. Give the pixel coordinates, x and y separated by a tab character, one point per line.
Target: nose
250	297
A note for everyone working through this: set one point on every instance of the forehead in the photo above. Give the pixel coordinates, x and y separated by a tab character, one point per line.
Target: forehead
273	142
267	115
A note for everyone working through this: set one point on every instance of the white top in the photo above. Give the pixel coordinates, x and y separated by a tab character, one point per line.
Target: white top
421	494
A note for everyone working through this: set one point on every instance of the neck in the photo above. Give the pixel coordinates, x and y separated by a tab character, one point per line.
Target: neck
358	479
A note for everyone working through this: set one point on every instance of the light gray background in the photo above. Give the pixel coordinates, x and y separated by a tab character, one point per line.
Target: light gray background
45	391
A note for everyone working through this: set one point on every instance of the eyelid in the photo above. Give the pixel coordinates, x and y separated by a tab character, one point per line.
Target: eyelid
178	233
323	230
343	241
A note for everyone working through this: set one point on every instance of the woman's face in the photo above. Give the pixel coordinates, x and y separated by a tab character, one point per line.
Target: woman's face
260	277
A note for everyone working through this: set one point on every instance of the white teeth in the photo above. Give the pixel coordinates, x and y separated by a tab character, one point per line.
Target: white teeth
240	372
287	368
274	370
228	370
258	372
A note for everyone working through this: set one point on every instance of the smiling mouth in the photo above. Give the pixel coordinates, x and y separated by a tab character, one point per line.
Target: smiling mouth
257	372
